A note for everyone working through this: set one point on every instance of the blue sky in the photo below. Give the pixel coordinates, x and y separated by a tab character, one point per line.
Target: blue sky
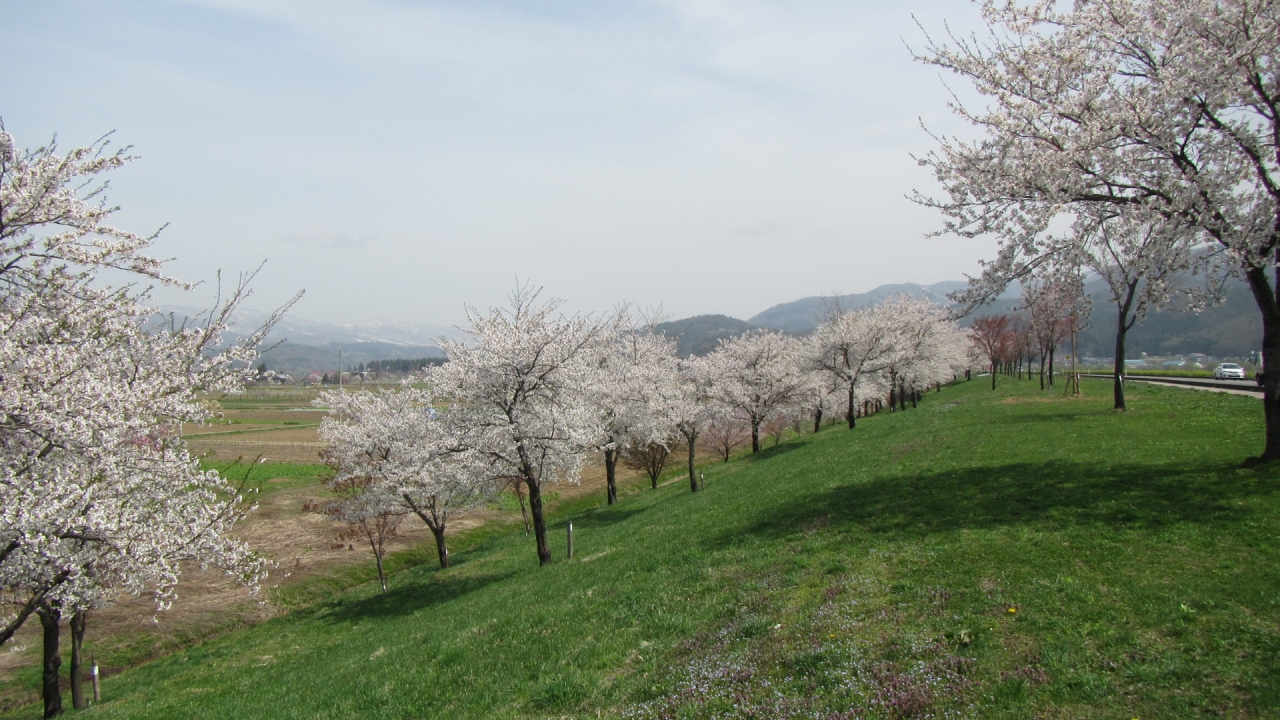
400	159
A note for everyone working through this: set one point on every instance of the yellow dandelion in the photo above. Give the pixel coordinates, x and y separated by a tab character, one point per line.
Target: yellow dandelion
1013	610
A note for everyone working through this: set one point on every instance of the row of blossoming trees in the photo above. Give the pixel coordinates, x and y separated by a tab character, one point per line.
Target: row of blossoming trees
534	394
98	494
1137	140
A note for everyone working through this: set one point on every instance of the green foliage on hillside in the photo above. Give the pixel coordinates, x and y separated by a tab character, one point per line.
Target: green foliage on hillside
1005	554
701	334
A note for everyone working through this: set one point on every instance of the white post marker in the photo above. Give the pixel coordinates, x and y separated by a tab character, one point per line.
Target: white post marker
570	540
97	689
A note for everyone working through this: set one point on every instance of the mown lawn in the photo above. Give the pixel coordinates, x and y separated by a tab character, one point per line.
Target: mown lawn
1007	554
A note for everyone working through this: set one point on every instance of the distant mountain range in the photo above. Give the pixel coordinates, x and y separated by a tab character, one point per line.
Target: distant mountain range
803	315
299	346
1232	328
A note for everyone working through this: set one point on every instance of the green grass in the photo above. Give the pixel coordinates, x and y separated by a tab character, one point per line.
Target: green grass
1004	554
268	477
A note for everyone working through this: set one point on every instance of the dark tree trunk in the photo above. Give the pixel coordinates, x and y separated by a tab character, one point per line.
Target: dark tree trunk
377	557
77	624
1053	350
435	521
50	691
539	523
1264	296
993	376
817	419
1122	328
893	397
693	449
968	373
442	550
524	513
1042	371
755	435
1117	385
611	474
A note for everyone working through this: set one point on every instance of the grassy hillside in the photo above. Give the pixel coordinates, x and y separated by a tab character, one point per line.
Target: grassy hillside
1005	554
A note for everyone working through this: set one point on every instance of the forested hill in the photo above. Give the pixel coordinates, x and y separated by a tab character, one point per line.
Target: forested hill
699	335
1230	329
803	315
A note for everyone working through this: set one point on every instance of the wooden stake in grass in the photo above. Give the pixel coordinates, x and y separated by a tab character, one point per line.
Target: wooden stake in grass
569	553
97	689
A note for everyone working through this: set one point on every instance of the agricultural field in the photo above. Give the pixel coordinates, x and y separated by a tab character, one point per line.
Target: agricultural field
1005	554
265	439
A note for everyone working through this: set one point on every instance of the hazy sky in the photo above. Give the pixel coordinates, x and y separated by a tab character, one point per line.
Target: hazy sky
400	159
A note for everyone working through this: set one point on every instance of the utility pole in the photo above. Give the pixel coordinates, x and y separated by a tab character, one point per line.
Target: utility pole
339	368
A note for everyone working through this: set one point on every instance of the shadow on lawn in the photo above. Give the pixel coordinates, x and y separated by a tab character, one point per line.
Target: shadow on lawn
772	451
602	517
408	598
1047	494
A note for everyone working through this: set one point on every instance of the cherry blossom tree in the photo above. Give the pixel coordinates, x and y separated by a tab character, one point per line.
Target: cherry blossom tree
632	389
1047	301
98	493
395	444
852	347
990	334
367	510
519	390
757	375
692	409
650	459
1162	114
725	433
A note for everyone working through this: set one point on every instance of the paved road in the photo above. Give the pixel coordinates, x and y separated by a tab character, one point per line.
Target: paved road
1241	386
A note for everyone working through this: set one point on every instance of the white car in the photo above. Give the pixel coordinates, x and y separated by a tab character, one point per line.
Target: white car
1228	371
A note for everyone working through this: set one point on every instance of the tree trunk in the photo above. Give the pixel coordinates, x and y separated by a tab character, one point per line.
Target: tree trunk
539	523
435	521
1122	327
1264	296
850	416
1053	350
77	624
693	449
50	691
1117	386
993	375
524	514
378	559
1042	371
611	474
817	419
441	549
893	396
755	435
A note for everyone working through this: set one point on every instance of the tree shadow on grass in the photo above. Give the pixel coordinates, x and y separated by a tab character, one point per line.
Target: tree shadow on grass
406	598
772	451
1053	417
601	517
1047	494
